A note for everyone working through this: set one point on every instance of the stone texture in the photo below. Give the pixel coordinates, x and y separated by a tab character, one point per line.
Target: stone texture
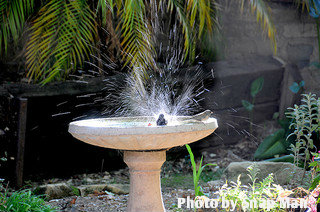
145	189
295	30
114	188
234	78
135	134
118	188
283	173
300	53
242	36
55	191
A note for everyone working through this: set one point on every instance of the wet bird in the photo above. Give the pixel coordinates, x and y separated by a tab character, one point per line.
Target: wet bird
161	120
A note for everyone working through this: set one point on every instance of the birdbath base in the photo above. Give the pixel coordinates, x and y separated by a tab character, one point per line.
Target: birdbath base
145	189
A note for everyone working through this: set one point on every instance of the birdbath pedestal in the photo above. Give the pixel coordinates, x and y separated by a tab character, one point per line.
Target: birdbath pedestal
144	149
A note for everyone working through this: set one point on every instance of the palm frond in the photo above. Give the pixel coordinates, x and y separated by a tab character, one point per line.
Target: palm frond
105	6
13	14
262	12
135	36
186	28
197	17
59	40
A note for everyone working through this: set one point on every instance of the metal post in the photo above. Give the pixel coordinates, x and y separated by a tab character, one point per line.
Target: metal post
22	124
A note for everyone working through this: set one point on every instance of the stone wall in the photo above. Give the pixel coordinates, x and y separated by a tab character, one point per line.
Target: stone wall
296	33
246	54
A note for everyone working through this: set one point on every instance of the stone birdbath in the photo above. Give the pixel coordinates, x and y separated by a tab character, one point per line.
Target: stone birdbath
145	145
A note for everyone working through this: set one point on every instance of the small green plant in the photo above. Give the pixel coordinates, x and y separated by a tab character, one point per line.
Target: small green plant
197	172
256	87
75	191
23	201
315	170
249	198
295	87
306	125
277	144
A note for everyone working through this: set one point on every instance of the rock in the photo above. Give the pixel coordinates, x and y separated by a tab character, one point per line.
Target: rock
118	188
216	184
2	132
88	180
55	191
283	172
114	188
90	189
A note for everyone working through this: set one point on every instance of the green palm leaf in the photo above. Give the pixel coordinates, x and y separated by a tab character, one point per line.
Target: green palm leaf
13	14
197	17
59	40
135	35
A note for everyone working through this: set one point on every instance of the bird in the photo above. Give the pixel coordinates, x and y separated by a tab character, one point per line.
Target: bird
161	120
203	116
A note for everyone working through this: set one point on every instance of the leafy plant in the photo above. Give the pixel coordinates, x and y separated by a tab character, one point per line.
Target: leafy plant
257	192
23	201
315	170
256	87
295	87
59	39
276	144
13	15
306	125
197	172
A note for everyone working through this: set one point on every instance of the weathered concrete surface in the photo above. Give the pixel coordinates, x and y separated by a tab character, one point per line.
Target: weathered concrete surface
114	188
295	33
283	173
145	189
55	191
232	85
58	88
234	78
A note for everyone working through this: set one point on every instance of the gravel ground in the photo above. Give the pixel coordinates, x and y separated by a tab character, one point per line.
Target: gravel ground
108	202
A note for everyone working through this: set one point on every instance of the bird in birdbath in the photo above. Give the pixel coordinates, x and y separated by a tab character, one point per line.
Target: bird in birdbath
161	120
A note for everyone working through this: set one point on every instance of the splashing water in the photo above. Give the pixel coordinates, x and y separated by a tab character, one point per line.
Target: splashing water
168	92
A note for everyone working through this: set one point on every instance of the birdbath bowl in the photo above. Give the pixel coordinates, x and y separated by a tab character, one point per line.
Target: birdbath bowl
144	144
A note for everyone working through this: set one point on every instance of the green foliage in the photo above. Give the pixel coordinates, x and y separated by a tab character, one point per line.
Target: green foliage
256	86
59	39
315	170
75	191
295	87
197	172
275	144
285	158
305	122
247	105
13	15
258	192
23	201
